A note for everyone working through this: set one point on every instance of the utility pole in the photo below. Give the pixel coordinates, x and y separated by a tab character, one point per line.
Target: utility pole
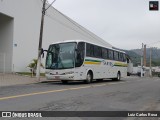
144	56
150	71
44	9
40	40
142	62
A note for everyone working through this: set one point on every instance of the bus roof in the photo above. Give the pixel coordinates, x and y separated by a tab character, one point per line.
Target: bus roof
65	41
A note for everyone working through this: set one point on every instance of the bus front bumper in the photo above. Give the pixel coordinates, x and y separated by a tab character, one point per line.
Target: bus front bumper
60	77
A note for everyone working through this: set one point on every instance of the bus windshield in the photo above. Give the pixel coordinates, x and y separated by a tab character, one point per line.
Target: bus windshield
61	56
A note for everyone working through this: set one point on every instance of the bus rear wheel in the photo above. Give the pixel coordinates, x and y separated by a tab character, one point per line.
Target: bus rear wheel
118	78
89	78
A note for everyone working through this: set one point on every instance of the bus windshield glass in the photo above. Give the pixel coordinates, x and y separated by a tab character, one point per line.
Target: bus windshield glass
61	56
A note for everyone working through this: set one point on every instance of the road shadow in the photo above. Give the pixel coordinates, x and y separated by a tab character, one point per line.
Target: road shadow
58	82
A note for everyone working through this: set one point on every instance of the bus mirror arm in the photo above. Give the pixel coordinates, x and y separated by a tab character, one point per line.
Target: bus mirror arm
42	52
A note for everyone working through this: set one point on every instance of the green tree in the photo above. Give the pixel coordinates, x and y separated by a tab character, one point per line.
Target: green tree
33	66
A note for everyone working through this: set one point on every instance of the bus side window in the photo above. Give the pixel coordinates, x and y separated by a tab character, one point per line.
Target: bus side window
90	50
121	57
124	58
87	49
104	53
111	54
116	56
97	52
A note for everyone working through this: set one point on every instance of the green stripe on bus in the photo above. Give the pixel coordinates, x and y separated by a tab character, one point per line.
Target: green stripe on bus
121	65
89	60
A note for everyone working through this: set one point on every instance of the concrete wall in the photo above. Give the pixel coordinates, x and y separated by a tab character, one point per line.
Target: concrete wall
57	27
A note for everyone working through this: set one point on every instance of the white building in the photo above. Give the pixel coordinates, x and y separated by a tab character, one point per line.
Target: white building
20	28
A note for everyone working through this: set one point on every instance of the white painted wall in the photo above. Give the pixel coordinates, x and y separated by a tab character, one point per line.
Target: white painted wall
27	16
6	37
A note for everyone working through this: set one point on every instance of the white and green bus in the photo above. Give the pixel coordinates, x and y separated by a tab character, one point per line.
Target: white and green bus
73	60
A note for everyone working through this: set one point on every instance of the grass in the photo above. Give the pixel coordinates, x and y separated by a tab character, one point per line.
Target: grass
30	74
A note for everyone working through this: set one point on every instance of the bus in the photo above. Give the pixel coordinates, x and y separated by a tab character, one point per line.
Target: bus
73	60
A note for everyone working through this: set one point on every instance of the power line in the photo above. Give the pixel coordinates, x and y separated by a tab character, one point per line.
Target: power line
47	4
50	4
153	43
154	51
79	26
76	24
65	25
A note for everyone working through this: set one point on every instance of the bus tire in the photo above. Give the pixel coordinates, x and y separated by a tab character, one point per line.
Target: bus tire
89	77
128	74
64	81
118	78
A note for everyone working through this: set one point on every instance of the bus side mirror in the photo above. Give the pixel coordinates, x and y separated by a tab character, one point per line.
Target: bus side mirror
42	52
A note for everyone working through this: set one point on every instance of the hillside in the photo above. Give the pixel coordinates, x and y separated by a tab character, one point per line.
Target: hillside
135	55
136	59
155	52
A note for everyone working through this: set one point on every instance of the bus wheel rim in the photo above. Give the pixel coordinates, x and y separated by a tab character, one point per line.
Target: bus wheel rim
118	76
89	77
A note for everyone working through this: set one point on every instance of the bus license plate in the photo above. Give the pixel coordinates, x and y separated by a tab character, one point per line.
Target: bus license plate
56	77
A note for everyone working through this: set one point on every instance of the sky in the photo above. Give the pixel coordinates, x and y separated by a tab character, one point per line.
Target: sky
125	24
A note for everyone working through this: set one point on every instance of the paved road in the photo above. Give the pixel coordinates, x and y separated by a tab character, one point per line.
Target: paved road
129	94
